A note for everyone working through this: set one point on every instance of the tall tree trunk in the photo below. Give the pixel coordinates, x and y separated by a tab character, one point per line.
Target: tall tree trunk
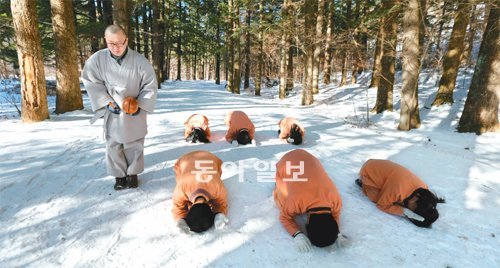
344	53
289	68
161	37
285	27
29	52
168	61
107	12
437	56
145	29
120	14
167	45
217	50
207	68
187	60
318	45
307	95
105	8
130	20
246	83
451	61
260	43
364	41
156	38
137	31
100	17
422	14
210	68
179	41
68	94
385	89
179	61
291	35
343	56
237	48
357	50
327	69
179	56
377	62
81	56
469	43
480	113
194	65
151	33
410	116
100	13
199	66
94	42
230	48
202	70
226	65
217	68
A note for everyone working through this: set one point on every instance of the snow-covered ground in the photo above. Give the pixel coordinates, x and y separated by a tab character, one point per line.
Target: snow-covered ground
58	207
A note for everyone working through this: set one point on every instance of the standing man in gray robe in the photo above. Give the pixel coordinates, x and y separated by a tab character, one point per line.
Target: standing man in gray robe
122	87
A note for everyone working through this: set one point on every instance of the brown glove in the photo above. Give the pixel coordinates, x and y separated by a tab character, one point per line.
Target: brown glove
130	105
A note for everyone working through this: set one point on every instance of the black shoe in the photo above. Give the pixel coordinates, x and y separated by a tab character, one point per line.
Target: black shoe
120	184
132	181
358	182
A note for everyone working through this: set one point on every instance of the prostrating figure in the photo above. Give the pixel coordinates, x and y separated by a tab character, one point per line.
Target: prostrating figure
200	198
240	128
396	190
196	129
291	130
304	187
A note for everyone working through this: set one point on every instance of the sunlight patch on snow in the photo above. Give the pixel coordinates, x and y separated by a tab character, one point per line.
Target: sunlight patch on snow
45	210
256	225
474	198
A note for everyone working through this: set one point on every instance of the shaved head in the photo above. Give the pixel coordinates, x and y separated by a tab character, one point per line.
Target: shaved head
114	29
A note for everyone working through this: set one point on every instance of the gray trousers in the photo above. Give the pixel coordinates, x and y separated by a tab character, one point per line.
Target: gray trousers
124	158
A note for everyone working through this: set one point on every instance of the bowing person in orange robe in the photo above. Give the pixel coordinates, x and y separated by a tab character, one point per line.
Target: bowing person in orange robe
196	129
396	190
240	128
291	130
304	187
200	198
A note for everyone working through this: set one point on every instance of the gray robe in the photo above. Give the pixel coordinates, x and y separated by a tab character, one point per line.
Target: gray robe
105	81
